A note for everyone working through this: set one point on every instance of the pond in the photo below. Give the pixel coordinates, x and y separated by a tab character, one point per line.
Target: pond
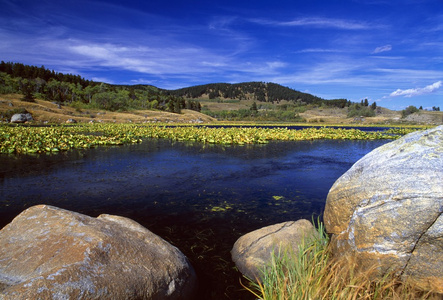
199	197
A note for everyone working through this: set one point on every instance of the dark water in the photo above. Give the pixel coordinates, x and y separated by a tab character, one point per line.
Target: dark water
201	198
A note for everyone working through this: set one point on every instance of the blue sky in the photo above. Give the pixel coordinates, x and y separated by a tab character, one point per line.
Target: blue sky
388	51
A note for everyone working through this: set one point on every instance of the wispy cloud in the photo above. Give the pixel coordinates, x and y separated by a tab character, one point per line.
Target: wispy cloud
417	91
222	23
327	23
315	22
276	64
381	49
318	50
150	60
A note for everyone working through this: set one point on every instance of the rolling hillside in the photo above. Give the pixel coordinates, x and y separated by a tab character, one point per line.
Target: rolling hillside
257	91
55	97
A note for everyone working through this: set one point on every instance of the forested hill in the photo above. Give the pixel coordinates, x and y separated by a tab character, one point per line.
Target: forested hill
258	91
39	82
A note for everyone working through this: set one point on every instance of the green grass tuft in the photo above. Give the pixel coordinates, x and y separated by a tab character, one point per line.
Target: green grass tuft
311	273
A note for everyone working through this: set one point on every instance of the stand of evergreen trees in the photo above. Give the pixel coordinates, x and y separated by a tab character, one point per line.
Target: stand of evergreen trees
258	91
39	82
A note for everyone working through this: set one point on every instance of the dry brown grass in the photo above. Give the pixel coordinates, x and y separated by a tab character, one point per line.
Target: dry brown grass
310	273
46	111
384	116
213	105
344	280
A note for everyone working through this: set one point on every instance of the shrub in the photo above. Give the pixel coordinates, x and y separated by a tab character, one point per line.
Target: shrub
78	105
356	110
409	111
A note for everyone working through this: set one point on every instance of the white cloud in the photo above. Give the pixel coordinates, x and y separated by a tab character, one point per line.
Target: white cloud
417	91
275	64
382	49
150	60
326	22
318	50
317	22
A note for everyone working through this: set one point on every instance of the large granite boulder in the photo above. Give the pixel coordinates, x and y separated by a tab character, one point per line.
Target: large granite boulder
51	253
387	209
252	251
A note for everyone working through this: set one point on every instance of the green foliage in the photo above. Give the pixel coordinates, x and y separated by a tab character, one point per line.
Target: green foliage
254	109
408	111
288	112
7	84
32	72
68	88
27	88
153	104
252	115
357	110
112	101
290	272
78	105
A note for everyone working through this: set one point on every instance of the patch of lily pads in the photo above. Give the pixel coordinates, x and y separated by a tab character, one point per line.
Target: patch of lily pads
23	139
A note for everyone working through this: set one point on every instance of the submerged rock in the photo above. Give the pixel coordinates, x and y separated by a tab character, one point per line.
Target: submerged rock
51	253
387	209
252	251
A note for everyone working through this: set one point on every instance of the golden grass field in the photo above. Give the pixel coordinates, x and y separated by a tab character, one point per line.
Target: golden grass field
48	112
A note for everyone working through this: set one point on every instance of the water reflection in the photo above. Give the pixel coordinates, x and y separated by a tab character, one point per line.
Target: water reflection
199	197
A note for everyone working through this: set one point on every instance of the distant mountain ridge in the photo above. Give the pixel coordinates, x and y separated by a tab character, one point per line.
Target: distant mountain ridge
258	91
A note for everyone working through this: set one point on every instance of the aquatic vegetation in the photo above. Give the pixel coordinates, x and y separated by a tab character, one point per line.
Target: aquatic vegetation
23	139
220	208
53	139
401	130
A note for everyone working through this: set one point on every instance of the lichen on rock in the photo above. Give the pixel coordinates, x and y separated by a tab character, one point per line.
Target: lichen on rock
387	209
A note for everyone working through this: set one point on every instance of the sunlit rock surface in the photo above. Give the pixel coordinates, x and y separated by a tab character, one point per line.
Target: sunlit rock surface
387	209
252	251
51	253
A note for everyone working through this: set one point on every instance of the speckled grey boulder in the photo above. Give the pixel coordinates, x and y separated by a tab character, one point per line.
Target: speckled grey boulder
21	118
387	209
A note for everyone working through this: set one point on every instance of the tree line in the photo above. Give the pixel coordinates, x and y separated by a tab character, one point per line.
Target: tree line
39	82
